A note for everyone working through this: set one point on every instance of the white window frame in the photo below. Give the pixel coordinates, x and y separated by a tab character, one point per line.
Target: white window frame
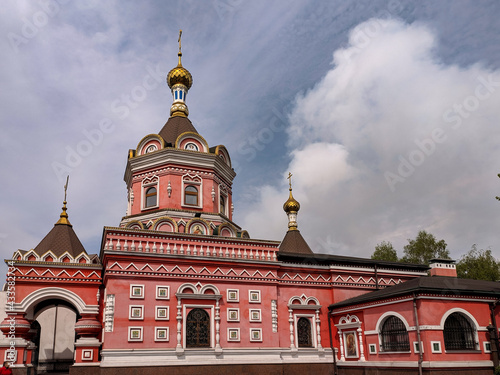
234	310
438	350
167	313
211	314
237	299
372	348
140	338
420	347
250	315
256	330
250	300
237	330
312	320
158	287
145	185
198	183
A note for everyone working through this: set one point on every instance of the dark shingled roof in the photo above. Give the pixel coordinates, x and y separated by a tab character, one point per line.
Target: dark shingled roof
174	127
428	284
60	239
294	243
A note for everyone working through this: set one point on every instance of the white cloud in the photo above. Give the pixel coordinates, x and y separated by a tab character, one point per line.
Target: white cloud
392	141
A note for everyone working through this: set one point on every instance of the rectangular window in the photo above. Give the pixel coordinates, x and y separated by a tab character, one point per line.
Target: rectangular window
487	346
436	346
372	348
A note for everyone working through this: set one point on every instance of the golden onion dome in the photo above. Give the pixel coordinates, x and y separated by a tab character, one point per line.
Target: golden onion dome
179	75
291	205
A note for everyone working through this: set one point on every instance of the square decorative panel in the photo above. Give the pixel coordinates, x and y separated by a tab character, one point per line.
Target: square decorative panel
136	291
162	292
233	295
255	334
134	333
373	348
254	296
161	333
233	334
255	315
162	313
87	355
136	313
233	315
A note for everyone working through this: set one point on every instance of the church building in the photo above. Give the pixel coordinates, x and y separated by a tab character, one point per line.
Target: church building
177	286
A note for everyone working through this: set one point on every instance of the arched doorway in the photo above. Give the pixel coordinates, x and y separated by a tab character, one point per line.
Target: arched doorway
54	327
198	329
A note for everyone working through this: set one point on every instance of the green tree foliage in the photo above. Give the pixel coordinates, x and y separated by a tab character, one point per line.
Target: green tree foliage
479	265
385	251
424	248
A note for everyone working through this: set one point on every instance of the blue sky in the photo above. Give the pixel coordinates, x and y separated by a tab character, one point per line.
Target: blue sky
386	112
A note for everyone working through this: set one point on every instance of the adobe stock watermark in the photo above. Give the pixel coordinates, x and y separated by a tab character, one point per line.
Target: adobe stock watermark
258	142
367	31
226	9
94	137
31	26
454	116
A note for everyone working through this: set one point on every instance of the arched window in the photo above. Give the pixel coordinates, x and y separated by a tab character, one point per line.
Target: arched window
191	195
151	197
198	329
459	334
394	336
304	333
222	205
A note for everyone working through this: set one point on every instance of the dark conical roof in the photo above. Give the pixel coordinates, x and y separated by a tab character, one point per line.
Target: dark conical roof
294	243
174	127
60	239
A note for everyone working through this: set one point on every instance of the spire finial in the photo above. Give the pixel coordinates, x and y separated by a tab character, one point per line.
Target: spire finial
63	218
290	179
180	51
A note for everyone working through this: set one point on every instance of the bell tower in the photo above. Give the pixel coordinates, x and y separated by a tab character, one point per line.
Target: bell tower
176	182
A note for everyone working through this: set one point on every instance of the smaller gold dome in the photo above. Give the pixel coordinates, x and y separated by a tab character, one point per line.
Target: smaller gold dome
179	75
291	205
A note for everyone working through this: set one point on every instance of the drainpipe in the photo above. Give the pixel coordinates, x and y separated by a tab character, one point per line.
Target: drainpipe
420	354
376	277
331	344
494	334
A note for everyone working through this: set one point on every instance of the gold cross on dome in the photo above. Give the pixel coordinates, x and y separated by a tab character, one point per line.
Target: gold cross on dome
290	178
180	34
66	187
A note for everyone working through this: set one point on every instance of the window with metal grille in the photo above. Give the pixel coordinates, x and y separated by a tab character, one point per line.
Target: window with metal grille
304	334
197	329
459	334
394	336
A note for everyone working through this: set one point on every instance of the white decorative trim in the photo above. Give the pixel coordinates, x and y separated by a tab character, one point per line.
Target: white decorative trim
87	354
109	313
211	314
386	315
274	315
